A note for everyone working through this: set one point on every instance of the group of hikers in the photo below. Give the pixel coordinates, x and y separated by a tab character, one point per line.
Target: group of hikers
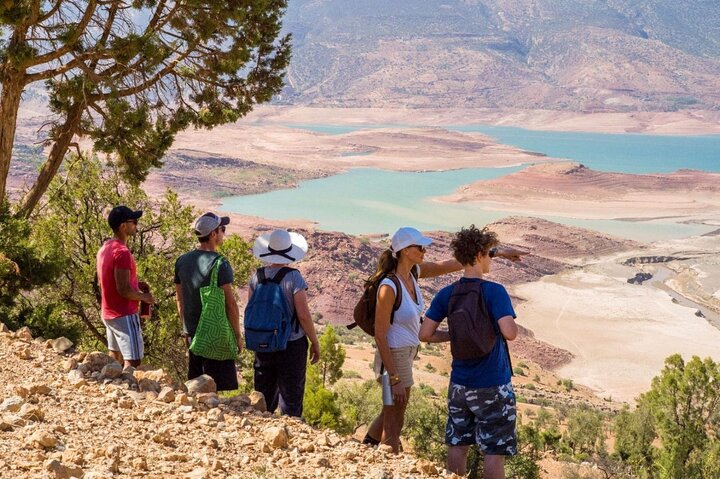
480	316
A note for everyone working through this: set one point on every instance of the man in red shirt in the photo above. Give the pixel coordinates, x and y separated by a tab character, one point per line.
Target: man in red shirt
120	294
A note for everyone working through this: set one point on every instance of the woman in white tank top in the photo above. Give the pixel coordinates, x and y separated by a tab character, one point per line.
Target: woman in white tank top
397	341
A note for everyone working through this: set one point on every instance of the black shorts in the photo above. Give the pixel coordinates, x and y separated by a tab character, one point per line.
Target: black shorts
223	372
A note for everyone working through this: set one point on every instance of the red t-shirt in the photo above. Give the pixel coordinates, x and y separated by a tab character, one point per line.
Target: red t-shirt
115	255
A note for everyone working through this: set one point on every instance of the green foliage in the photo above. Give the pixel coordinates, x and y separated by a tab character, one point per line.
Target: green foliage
683	402
360	403
584	432
634	436
518	371
239	254
74	225
130	75
332	356
320	406
425	421
24	265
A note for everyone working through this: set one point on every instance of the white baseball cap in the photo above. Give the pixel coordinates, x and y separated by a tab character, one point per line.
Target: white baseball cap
407	236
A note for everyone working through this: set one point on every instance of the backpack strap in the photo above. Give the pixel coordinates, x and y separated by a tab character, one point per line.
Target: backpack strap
281	274
398	294
260	273
215	269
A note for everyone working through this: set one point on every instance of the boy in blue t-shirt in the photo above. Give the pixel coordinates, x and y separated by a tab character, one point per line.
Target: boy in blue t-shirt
481	400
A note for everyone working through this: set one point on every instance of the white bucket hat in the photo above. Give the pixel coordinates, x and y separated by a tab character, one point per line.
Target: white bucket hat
280	246
407	236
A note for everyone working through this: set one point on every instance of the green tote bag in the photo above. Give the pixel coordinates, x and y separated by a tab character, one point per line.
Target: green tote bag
214	337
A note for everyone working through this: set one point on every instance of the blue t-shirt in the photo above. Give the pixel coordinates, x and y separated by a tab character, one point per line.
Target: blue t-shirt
495	369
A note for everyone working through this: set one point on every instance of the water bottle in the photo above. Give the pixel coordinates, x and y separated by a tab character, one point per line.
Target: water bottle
387	395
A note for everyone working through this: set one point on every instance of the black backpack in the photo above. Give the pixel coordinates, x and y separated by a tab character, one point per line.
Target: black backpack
364	312
473	333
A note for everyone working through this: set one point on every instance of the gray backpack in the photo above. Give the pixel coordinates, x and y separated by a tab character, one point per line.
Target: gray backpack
473	333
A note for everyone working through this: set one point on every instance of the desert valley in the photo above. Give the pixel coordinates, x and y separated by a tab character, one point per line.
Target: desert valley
587	134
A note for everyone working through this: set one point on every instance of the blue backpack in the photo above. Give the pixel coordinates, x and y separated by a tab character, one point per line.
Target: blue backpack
268	320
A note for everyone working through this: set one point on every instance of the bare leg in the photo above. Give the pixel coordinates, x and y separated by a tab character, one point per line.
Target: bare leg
457	459
117	356
376	427
393	421
494	467
131	362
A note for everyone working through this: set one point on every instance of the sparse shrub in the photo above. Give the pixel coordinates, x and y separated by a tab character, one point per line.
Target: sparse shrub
430	368
518	371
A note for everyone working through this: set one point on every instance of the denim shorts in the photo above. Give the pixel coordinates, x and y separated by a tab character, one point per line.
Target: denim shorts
482	416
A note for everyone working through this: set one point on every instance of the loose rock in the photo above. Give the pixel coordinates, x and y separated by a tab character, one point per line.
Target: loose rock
276	437
257	401
61	344
201	384
111	371
42	440
167	395
12	404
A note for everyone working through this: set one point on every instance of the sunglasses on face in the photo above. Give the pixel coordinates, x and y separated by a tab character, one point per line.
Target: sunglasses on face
421	248
222	228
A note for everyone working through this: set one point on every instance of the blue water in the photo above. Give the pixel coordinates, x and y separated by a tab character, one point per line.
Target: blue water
626	153
363	201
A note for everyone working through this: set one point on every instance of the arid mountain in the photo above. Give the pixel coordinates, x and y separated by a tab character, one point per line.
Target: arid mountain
572	54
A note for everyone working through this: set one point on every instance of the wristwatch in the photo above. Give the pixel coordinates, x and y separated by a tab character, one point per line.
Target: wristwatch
493	252
395	379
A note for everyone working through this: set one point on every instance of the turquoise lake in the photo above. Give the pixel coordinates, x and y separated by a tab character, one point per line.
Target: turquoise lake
365	200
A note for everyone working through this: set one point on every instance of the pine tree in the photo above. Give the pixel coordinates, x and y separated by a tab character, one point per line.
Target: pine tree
129	75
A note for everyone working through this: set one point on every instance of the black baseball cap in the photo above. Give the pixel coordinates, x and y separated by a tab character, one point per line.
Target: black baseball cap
120	214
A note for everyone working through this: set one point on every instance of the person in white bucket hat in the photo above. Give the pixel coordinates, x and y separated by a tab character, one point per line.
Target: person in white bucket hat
280	375
397	328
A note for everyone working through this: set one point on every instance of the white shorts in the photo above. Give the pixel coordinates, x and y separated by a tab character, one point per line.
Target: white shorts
124	335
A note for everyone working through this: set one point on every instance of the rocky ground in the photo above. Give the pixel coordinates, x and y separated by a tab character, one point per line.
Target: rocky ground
66	415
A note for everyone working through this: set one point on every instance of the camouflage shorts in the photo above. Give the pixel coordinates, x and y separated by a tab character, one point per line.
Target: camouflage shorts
483	416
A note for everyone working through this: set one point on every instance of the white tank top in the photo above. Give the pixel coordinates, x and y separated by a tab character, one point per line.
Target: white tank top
405	328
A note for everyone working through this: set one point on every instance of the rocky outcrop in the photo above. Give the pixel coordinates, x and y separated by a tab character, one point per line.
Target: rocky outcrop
640	278
652	260
60	424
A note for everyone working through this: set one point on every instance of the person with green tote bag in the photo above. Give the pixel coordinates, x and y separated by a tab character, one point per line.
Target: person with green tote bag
207	307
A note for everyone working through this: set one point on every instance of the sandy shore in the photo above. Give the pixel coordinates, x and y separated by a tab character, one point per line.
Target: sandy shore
405	149
620	333
685	122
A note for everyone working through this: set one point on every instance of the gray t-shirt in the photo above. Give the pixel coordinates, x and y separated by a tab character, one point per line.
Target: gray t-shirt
192	272
292	283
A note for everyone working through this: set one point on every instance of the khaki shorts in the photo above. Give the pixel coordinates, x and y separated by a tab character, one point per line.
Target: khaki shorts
403	359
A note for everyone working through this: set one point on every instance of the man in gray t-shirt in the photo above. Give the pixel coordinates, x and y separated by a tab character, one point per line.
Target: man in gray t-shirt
193	270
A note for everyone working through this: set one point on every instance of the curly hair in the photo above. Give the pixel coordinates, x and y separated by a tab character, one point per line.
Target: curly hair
470	241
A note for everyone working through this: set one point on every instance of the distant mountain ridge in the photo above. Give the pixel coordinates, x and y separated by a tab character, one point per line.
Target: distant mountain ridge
590	55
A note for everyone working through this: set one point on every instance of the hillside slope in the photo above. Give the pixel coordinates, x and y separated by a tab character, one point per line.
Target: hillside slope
56	421
570	55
